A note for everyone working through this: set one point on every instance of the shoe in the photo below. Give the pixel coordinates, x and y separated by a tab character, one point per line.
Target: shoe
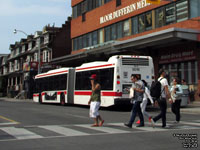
140	125
138	122
101	123
176	122
152	123
164	126
150	119
94	125
128	125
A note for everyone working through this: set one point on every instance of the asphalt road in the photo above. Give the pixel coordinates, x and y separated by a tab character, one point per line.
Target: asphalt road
30	126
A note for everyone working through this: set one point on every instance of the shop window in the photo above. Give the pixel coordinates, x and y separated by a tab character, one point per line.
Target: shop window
107	34
170	14
119	30
182	10
126	28
134	22
141	23
148	20
160	17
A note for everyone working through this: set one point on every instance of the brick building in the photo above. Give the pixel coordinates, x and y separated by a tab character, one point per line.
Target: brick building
169	32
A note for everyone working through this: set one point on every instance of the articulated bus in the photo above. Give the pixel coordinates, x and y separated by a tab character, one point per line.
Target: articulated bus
72	85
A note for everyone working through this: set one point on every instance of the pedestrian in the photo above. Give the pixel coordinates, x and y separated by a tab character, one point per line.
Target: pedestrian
143	105
176	92
162	100
138	88
95	101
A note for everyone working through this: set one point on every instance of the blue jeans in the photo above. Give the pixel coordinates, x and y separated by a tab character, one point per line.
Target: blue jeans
136	109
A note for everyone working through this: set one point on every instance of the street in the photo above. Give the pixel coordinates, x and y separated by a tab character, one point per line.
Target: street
25	125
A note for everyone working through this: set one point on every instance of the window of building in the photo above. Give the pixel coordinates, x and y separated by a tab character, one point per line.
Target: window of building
160	17
106	1
182	10
94	38
148	20
113	32
119	30
101	39
29	45
80	43
194	8
75	44
170	14
141	23
89	39
134	22
107	34
84	7
84	41
118	3
126	28
74	11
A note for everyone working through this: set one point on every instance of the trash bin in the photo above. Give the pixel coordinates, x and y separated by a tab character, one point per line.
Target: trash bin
185	96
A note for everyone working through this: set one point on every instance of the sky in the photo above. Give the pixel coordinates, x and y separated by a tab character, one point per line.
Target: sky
29	16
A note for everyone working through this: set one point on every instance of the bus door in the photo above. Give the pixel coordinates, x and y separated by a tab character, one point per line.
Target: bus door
70	86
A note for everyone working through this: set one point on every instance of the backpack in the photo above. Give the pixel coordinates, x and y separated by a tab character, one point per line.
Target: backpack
155	90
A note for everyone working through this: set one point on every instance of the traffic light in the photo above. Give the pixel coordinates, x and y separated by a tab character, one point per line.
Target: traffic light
153	1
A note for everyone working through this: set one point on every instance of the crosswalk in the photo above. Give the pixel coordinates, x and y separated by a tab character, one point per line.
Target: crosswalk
8	133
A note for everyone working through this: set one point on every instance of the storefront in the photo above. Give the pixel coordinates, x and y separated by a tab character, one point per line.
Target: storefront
181	61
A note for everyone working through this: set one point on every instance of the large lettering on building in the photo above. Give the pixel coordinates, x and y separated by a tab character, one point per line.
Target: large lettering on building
124	11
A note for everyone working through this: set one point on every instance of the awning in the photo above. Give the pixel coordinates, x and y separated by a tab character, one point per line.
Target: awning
154	40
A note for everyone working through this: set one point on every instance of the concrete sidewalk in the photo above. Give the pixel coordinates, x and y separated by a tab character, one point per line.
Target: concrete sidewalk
193	107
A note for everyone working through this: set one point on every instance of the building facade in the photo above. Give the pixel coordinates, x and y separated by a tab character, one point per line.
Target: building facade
31	56
169	32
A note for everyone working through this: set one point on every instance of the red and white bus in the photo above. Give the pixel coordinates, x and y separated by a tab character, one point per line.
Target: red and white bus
72	85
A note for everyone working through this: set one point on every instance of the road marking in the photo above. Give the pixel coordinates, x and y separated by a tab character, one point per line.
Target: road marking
103	129
20	133
8	123
190	123
63	130
4	118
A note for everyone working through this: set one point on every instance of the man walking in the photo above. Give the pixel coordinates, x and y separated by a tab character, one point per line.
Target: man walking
162	101
137	100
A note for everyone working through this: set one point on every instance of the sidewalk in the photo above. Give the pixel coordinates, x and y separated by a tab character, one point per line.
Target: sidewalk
193	107
15	100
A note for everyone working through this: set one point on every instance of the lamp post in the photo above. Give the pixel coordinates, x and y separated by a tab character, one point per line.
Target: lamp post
15	31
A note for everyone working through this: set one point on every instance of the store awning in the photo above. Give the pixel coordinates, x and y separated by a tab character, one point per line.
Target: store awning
154	40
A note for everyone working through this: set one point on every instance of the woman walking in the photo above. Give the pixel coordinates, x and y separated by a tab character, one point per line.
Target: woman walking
176	92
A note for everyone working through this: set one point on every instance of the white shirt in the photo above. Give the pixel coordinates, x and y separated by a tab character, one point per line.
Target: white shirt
164	83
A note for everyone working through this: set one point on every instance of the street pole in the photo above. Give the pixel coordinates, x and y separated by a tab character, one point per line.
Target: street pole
39	56
15	31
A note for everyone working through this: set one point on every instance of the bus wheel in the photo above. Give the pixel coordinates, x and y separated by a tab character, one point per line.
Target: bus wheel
62	99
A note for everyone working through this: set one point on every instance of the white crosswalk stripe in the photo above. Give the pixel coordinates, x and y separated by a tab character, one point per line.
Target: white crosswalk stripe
103	129
20	133
64	131
53	131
